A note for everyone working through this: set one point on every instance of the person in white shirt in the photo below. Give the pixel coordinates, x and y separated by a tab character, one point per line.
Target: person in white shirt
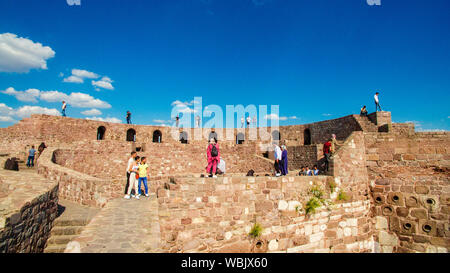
377	102
242	122
277	156
130	163
197	119
63	109
248	121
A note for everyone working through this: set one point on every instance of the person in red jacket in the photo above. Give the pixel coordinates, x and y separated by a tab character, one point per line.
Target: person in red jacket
213	154
327	153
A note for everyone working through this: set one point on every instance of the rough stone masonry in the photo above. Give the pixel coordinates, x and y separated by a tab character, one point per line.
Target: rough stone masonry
387	190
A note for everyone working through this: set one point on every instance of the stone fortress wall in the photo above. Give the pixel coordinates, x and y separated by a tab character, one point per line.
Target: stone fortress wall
382	168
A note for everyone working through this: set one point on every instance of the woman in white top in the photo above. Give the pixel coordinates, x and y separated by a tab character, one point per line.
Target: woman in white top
133	180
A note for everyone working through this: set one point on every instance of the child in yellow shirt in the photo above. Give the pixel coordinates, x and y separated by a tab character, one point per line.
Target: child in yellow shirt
143	175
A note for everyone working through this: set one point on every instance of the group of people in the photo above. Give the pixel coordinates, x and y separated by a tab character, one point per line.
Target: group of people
248	120
137	173
306	171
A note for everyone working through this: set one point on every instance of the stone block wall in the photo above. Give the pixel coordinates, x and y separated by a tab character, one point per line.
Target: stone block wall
410	184
307	156
216	215
27	217
79	187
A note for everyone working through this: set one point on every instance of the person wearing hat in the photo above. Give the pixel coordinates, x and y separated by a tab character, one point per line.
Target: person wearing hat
213	154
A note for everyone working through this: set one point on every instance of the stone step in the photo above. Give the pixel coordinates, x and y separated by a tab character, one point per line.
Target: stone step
70	223
60	239
55	248
66	230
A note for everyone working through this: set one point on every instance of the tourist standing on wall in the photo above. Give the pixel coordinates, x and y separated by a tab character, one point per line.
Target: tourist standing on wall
249	119
242	122
31	154
143	175
377	102
213	154
130	163
197	121
128	117
134	176
63	109
326	153
284	160
277	156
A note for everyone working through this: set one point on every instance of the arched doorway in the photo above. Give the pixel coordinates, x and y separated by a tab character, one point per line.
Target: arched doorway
307	137
183	137
240	138
101	133
276	135
131	135
157	136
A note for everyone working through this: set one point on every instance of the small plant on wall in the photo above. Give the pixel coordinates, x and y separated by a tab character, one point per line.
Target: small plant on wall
342	196
317	200
256	231
332	185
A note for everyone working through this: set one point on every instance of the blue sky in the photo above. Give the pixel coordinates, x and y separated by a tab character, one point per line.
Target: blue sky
317	59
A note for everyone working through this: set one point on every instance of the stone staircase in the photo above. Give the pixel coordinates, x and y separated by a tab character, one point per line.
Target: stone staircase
71	220
366	124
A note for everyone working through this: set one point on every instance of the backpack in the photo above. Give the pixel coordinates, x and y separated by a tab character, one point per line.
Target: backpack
214	152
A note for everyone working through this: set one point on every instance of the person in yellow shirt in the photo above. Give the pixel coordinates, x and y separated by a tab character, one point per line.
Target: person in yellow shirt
143	175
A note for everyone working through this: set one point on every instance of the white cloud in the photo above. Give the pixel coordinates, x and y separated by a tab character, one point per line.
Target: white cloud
183	107
6	119
276	117
26	111
25	96
19	54
105	83
84	74
161	121
76	99
92	112
326	115
78	76
113	120
5	109
73	79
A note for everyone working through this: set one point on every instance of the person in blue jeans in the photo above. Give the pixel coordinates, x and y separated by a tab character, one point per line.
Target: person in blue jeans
143	175
31	154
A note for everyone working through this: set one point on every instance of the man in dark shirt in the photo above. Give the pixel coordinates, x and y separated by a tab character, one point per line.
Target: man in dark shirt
128	117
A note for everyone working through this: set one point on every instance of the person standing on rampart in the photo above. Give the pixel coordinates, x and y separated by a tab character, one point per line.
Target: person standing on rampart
128	117
63	109
377	102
